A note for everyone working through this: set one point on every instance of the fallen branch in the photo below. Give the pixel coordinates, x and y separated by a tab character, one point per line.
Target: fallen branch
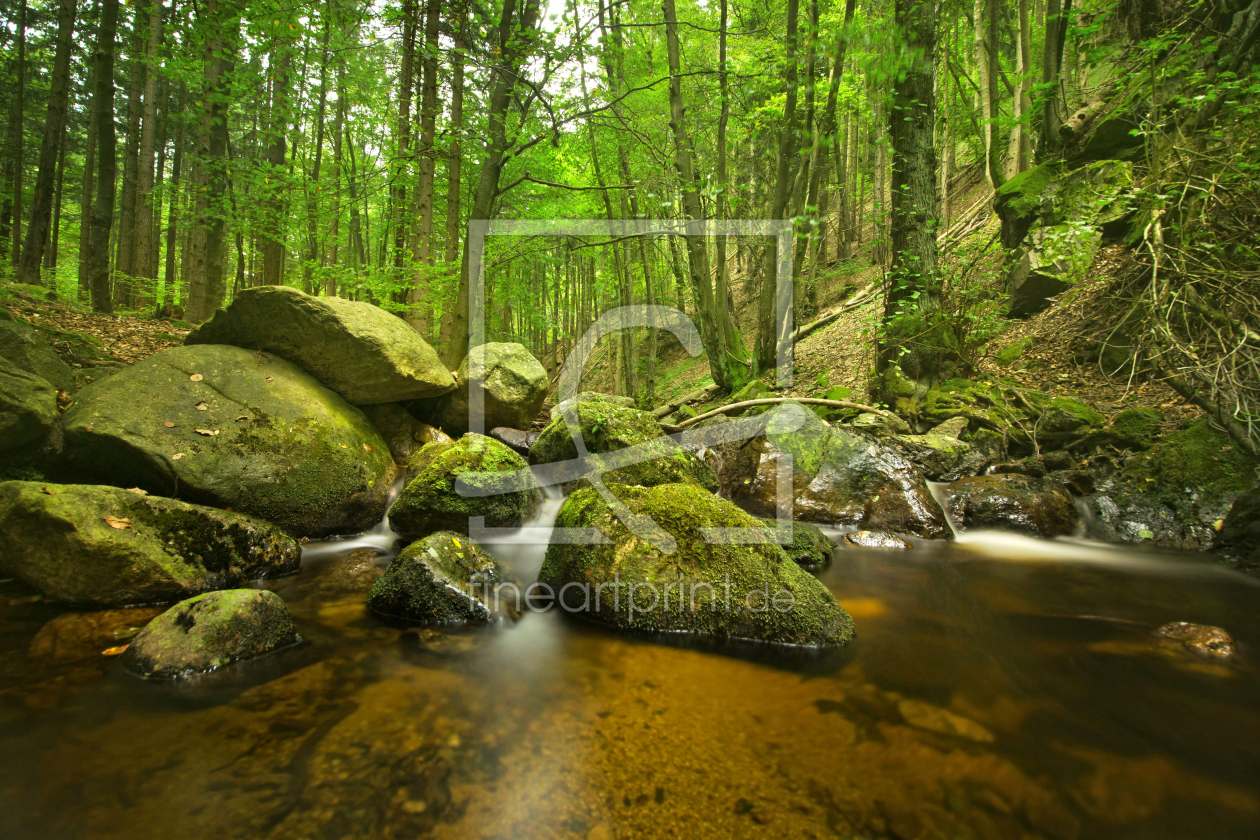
671	407
860	299
776	400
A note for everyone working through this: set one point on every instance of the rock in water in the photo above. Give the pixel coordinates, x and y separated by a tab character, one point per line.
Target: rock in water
25	348
942	458
605	428
840	477
1012	502
89	545
28	408
875	539
430	501
232	428
810	548
444	578
358	350
1201	639
515	383
210	631
588	396
740	591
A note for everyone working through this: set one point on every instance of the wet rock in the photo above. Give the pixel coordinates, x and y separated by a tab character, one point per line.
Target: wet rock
90	545
362	352
1036	466
1134	429
1240	532
589	396
954	427
734	586
515	439
875	539
942	458
880	425
1017	503
1078	482
515	383
25	349
75	636
1117	515
209	632
1201	639
430	501
28	408
1066	415
403	433
607	428
231	428
810	548
840	478
444	578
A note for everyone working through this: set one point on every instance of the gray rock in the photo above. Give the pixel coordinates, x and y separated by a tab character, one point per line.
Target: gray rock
515	383
89	545
209	632
28	408
444	578
256	434
26	349
875	539
362	352
810	548
951	428
403	433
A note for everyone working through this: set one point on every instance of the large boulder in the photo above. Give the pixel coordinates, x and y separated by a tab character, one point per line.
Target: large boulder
431	502
515	383
810	548
25	348
606	428
1011	502
28	408
840	477
589	396
227	427
715	589
942	458
358	350
210	631
444	578
89	545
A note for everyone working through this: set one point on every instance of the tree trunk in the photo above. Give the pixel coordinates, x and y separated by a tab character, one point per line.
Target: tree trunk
915	345
400	167
420	309
18	135
1052	112
515	44
125	264
150	136
767	338
1021	107
85	202
54	124
988	129
172	213
103	208
50	259
313	250
275	221
454	161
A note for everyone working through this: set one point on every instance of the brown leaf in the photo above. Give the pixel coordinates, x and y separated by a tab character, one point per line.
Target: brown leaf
168	424
114	651
48	492
269	378
117	522
242	417
177	456
367	448
201	406
207	432
29	599
342	445
89	428
137	491
196	377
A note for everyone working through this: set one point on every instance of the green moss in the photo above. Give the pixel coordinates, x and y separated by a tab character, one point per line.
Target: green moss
1201	459
720	578
1080	413
441	579
1136	427
1023	192
1008	354
810	548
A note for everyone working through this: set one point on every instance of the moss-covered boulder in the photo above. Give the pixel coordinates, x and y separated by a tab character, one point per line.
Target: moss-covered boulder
589	396
403	433
358	350
738	591
1010	502
229	427
28	408
209	632
515	384
24	348
607	428
1134	429
1010	353
90	545
840	477
444	578
810	548
989	405
430	501
1067	415
942	458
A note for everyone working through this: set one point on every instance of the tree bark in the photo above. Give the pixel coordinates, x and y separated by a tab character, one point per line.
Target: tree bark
18	136
401	165
1052	112
37	234
125	264
103	208
146	232
313	250
420	310
172	213
276	212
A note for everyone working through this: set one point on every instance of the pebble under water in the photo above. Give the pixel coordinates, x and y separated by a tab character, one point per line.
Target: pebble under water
1001	687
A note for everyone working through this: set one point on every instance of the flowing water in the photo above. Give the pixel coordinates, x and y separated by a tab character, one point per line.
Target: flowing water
1001	687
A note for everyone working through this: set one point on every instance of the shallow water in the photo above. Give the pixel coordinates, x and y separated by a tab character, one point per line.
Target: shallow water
1001	687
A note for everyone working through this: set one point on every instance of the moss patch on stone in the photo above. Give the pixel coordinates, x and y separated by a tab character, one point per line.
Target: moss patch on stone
1201	458
444	578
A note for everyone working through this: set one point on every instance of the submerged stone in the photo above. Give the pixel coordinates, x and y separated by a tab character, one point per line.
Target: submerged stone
1201	639
210	631
229	427
874	539
89	545
431	502
710	588
362	352
1011	502
444	578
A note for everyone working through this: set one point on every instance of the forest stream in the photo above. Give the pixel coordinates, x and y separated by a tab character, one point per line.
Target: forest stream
1001	687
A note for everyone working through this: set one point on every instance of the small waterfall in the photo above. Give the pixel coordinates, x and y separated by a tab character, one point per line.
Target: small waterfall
937	489
522	551
381	538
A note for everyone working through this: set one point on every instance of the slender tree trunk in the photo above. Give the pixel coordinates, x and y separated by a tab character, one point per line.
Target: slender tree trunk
18	136
146	231
313	250
103	207
454	164
401	166
276	212
172	213
420	309
125	263
1052	112
85	202
358	256
50	260
54	125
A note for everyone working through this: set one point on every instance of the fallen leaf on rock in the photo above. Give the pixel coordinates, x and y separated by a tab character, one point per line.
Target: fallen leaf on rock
242	417
342	445
201	406
137	491
168	424
48	492
196	377
29	599
117	522
177	456
269	378
207	432
89	428
367	448
126	632
114	651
